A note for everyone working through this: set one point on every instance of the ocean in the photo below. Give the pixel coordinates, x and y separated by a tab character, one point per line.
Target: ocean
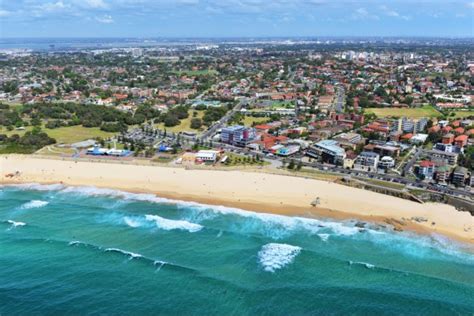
84	250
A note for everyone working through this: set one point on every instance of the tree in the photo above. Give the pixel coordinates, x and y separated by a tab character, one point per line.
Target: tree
35	121
196	123
291	165
171	120
299	165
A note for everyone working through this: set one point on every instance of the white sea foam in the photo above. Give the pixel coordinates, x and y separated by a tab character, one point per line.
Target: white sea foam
16	224
365	264
132	222
274	256
324	237
278	226
94	191
34	204
132	255
168	224
75	242
160	264
36	186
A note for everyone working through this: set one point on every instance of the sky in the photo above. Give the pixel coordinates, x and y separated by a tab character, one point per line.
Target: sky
235	18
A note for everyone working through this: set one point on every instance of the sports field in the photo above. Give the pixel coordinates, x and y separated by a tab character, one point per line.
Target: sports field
425	111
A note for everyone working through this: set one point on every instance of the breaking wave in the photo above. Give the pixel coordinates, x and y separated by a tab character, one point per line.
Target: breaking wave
271	225
132	255
34	204
365	264
274	256
168	224
155	221
16	224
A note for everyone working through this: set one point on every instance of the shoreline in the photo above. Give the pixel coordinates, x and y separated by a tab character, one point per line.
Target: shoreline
251	191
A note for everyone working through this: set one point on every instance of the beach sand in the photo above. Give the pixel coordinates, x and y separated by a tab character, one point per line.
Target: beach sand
260	192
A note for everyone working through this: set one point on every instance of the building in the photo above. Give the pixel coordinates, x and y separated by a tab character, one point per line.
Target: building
352	138
447	148
286	151
383	150
412	125
461	141
386	162
349	160
238	135
448	139
327	151
460	176
367	161
442	174
419	139
98	151
426	169
207	155
443	157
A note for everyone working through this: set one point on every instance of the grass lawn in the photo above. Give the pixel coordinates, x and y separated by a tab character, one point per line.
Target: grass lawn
185	124
425	111
250	120
13	105
240	160
386	184
463	114
196	72
317	174
283	104
66	135
74	134
56	151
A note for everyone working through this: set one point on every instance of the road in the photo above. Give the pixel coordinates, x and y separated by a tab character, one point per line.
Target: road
223	121
409	165
353	173
339	105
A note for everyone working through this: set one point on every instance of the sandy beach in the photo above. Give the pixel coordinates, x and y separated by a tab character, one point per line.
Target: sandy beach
252	191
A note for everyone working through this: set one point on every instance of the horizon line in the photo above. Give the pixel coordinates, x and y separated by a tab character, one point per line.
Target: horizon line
241	37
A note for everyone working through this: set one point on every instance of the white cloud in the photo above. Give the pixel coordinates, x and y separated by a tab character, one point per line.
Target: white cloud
363	14
95	4
392	13
52	6
470	4
4	13
106	19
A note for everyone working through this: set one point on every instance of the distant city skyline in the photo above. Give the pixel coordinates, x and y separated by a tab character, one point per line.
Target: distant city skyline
235	18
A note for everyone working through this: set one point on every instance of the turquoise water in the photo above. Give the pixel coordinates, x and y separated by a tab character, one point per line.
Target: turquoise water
94	251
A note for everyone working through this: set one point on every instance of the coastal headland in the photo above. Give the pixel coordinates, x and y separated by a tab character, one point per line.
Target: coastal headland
253	191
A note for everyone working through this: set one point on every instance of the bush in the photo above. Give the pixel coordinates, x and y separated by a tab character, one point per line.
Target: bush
53	124
196	123
171	120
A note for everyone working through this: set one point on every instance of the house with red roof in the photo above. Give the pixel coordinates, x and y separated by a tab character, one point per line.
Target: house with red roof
264	128
448	139
426	169
461	140
434	129
459	130
447	129
407	136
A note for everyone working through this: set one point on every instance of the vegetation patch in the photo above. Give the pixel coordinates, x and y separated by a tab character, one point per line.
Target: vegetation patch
425	111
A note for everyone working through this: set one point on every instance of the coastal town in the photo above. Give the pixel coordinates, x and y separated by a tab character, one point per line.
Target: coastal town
396	119
237	157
